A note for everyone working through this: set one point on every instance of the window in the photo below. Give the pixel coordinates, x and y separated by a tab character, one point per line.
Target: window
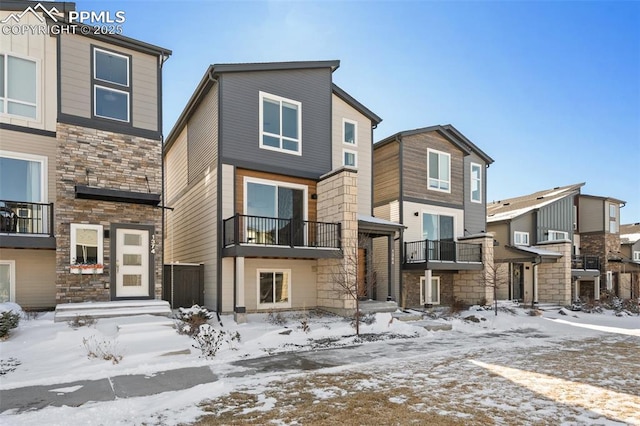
274	288
19	86
476	183
613	218
275	210
7	281
350	158
609	281
23	177
636	256
280	124
349	132
111	85
558	235
521	238
86	246
439	171
434	297
438	230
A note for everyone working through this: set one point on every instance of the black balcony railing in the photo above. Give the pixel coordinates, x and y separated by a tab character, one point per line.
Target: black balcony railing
23	218
585	262
448	251
271	231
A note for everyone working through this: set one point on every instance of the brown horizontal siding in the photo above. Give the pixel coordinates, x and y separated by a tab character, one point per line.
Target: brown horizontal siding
386	173
242	173
415	159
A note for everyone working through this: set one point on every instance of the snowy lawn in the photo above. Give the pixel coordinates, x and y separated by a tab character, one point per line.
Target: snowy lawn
511	369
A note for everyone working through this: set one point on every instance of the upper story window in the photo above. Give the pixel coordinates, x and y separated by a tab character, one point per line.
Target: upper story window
280	124
437	227
476	183
558	235
18	91
22	177
350	158
521	238
636	256
111	85
613	218
439	171
349	132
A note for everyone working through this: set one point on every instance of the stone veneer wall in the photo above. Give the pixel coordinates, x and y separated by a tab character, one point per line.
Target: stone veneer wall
601	244
470	286
554	279
114	161
338	202
411	285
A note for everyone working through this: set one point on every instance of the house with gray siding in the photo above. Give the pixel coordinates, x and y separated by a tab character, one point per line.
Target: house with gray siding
80	162
534	235
433	181
268	177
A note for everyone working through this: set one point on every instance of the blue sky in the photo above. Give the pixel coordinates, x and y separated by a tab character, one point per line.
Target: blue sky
550	90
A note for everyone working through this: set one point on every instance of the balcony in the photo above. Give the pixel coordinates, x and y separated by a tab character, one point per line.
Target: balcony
245	235
585	262
26	225
444	255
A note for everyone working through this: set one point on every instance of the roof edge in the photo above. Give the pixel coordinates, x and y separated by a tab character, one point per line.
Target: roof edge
342	94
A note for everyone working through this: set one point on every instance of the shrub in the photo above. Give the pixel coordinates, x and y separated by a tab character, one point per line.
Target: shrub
191	319
102	349
457	306
8	321
276	318
81	321
208	340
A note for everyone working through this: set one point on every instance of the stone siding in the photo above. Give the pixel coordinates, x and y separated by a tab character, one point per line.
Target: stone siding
554	278
112	161
338	202
471	286
604	245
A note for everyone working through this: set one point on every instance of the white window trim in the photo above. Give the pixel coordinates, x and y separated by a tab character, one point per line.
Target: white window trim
44	171
72	245
355	157
280	99
429	187
521	234
5	100
565	235
12	278
108	52
355	132
636	256
423	295
479	166
95	111
287	304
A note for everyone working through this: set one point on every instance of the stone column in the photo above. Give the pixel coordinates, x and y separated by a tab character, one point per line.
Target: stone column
554	278
240	310
471	286
338	202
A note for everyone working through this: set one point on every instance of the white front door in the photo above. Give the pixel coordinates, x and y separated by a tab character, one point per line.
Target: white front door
132	263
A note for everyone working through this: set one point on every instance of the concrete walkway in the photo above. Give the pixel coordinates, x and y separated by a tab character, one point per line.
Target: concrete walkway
74	394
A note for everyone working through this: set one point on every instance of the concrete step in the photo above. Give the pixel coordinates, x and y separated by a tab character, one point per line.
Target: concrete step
407	316
69	311
432	325
376	306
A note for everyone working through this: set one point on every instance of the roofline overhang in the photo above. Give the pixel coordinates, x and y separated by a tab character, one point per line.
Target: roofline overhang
339	92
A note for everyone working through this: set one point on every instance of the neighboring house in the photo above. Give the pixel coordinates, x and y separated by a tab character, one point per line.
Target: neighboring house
630	253
433	180
268	173
533	235
80	162
598	229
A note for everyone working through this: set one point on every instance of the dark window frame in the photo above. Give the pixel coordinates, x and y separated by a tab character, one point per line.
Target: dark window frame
98	83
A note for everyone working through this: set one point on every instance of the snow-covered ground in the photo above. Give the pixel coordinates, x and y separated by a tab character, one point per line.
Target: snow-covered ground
508	369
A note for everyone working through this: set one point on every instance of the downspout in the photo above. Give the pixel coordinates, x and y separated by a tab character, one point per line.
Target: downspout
534	300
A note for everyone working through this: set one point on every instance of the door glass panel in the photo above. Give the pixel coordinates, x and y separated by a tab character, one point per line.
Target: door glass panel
446	228
5	283
132	280
132	259
430	226
132	239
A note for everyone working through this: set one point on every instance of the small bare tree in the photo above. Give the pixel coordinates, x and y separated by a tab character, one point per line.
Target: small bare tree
348	282
494	278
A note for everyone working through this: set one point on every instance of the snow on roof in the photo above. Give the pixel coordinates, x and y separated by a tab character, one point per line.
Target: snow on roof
538	251
631	238
379	221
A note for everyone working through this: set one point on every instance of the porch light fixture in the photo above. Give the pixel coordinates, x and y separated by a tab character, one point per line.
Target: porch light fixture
416	214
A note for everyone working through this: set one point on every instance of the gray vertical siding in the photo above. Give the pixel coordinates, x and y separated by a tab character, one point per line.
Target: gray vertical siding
475	214
239	118
557	216
524	223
